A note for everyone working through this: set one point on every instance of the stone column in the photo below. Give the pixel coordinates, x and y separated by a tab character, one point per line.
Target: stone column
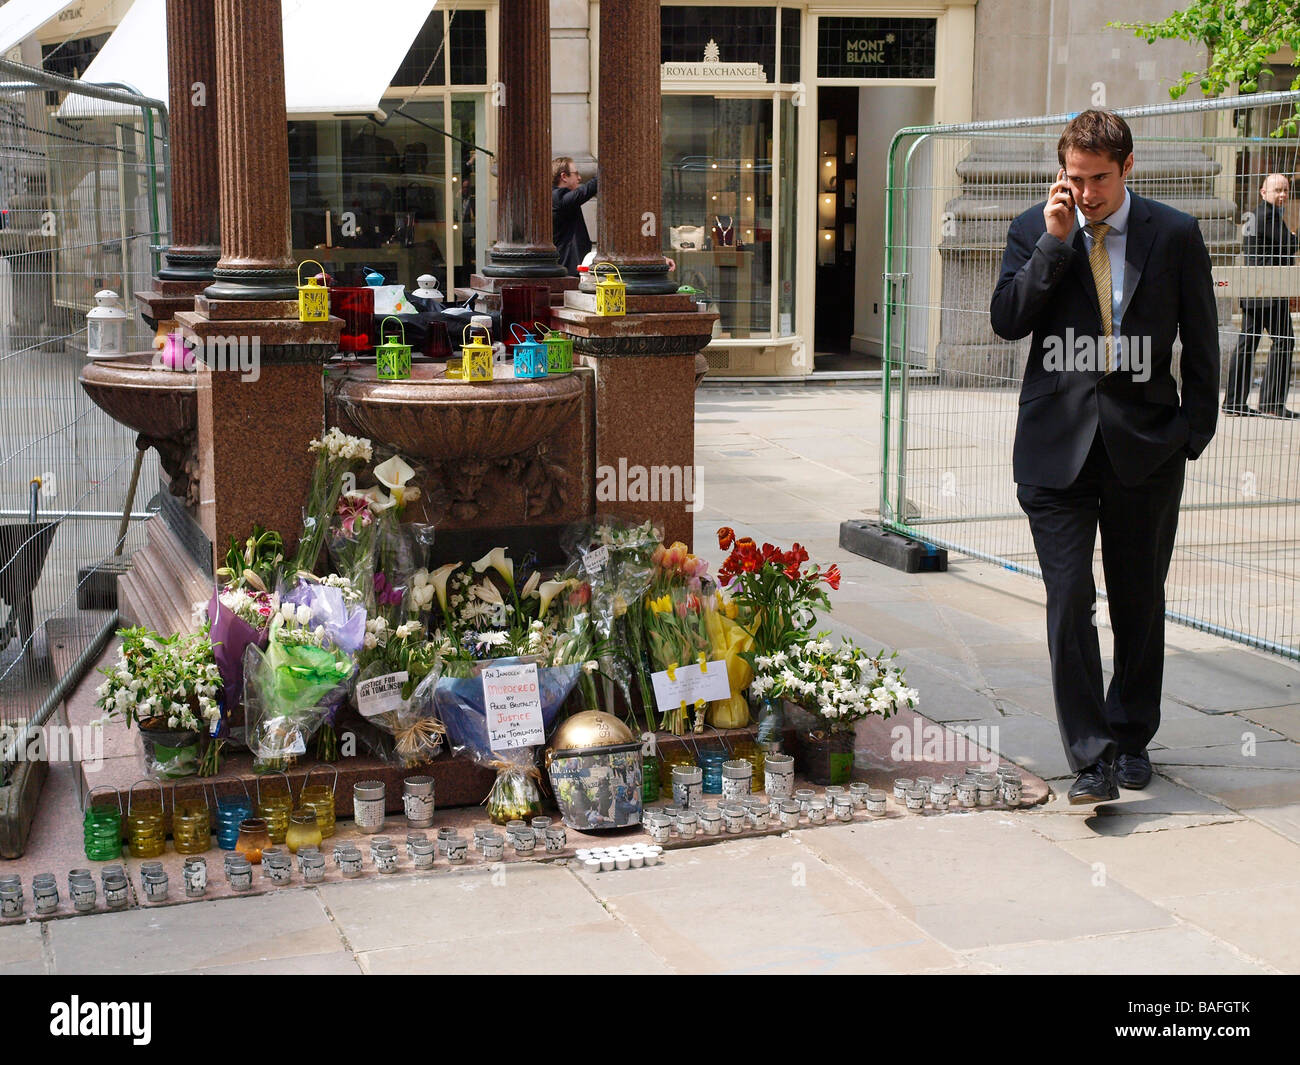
525	246
630	148
192	100
253	147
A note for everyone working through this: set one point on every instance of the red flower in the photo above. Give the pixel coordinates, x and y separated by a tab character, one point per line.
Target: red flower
832	577
726	537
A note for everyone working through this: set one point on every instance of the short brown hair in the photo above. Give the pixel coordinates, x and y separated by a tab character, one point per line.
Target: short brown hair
1103	132
560	167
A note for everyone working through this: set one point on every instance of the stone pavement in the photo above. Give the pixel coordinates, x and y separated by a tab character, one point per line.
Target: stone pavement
1200	873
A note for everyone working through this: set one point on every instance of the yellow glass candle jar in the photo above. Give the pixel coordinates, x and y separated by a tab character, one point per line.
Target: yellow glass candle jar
681	756
320	797
191	826
303	830
274	807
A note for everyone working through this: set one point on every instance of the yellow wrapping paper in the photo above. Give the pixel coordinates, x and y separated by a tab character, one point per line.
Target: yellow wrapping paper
728	641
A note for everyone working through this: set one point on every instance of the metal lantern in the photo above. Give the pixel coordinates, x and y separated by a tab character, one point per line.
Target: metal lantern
611	294
392	357
559	349
313	297
476	352
106	326
530	356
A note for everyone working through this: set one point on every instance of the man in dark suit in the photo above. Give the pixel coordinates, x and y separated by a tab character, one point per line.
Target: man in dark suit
1267	242
568	193
1105	281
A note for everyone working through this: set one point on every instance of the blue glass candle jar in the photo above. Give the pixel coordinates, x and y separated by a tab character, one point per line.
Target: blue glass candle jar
711	760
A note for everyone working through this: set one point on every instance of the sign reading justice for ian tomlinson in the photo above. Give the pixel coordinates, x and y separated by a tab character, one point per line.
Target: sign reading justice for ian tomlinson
513	699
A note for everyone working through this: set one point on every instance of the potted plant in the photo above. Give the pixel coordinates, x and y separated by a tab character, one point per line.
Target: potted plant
169	687
839	685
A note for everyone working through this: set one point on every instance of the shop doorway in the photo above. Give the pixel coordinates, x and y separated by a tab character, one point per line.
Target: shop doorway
854	129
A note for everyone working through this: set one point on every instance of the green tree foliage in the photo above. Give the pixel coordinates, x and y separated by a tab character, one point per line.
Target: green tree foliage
1240	35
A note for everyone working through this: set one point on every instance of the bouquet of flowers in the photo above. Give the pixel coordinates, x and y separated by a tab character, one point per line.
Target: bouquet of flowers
286	685
395	685
169	688
337	455
840	684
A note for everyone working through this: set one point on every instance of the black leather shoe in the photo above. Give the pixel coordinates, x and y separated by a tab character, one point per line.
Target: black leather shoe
1278	412
1094	784
1133	771
1239	410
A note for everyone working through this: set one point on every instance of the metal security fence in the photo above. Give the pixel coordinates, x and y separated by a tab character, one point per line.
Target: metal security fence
951	385
82	208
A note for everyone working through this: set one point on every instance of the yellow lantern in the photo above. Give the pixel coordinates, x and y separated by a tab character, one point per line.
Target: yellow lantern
611	295
313	297
476	355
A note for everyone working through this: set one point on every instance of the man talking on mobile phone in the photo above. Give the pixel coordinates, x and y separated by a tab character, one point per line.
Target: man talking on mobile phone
1106	282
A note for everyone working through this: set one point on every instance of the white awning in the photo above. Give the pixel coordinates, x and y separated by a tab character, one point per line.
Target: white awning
334	62
19	19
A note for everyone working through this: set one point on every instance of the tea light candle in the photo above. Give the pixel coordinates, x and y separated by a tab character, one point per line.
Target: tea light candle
915	799
901	787
876	802
803	796
817	811
710	822
789	813
967	792
492	847
843	807
687	822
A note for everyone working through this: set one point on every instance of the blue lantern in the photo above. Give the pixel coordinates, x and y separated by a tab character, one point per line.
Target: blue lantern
530	356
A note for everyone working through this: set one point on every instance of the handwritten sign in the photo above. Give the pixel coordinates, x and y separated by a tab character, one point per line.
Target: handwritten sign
381	695
595	560
513	699
692	685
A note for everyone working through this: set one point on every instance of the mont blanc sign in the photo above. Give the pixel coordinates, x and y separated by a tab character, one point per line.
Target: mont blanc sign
712	69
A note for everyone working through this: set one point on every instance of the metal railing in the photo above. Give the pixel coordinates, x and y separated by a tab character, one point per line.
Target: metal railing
950	414
83	208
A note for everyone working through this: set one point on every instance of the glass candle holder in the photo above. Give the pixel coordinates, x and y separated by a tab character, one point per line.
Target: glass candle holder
711	760
789	810
752	753
458	846
967	792
688	822
817	810
843	808
734	817
649	779
804	796
321	798
313	868
688	785
155	885
778	775
737	779
710	822
422	853
915	799
682	756
492	847
858	792
418	802
877	802
902	785
117	892
368	798
253	839
191	826
303	830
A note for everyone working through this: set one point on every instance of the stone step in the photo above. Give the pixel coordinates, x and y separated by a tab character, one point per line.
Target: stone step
673	302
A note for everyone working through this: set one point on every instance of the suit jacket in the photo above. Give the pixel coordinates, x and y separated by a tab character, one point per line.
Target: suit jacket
568	225
1046	289
1271	244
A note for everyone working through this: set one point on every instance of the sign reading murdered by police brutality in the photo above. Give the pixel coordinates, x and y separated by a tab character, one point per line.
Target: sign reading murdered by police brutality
512	697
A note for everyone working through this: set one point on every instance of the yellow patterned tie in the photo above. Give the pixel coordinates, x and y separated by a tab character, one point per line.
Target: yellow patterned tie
1099	260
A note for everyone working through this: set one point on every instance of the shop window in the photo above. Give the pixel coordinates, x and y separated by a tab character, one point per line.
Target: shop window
790	41
718	196
740	34
875	47
422	54
468	47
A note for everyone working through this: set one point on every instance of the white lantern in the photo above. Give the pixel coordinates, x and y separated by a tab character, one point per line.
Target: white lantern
106	326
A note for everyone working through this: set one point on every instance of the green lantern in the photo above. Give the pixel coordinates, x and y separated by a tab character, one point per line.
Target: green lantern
559	349
392	358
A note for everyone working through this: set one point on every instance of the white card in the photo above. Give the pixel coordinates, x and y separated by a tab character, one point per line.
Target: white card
594	561
513	699
692	685
380	695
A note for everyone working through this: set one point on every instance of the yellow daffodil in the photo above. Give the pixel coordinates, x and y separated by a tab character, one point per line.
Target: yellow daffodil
499	561
662	605
439	579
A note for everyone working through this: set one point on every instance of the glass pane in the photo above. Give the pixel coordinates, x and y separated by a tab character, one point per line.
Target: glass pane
427	43
875	47
741	34
788	222
790	41
469	47
383	189
717	160
468	170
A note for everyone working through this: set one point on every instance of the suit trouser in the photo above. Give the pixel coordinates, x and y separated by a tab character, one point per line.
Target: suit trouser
1257	318
1137	525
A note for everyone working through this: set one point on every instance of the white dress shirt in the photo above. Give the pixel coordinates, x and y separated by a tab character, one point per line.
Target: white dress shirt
1116	245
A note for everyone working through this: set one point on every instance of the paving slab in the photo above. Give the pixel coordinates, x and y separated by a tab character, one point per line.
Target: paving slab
1241	754
1240	789
1197	861
203	935
1210	730
939	873
22	951
1033	742
764	906
1161	806
604	947
1258	921
1284	820
1282	719
339	963
944	698
1231	679
1159	952
420	910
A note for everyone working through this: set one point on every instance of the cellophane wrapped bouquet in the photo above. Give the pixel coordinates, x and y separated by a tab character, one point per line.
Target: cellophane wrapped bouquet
485	618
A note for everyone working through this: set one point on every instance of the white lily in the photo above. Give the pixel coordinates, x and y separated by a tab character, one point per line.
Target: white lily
548	591
530	586
440	577
379	499
499	561
489	593
394	475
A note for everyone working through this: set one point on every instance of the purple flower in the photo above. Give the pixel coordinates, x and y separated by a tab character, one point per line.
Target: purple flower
386	594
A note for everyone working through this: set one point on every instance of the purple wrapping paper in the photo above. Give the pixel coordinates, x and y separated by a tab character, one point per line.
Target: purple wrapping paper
230	635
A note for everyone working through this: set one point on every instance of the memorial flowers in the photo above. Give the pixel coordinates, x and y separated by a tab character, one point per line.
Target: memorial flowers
337	455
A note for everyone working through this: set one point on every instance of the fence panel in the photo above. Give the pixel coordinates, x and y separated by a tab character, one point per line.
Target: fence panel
82	208
950	409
